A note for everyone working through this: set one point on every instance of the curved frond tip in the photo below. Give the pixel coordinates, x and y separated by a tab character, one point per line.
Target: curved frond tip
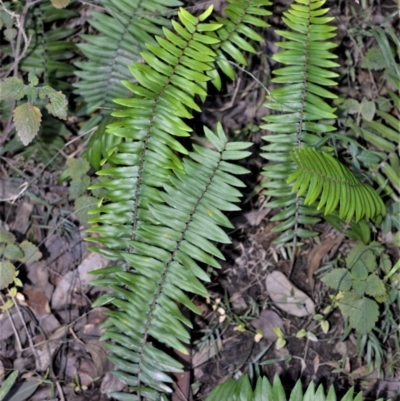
322	177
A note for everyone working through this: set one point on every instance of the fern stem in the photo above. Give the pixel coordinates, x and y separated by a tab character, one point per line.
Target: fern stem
299	136
303	100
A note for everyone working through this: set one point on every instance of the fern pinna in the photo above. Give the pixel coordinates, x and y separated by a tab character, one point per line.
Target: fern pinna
159	214
302	119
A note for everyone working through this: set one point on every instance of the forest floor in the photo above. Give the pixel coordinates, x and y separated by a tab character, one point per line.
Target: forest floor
57	297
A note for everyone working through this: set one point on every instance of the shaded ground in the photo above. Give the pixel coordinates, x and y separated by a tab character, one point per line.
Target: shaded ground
57	297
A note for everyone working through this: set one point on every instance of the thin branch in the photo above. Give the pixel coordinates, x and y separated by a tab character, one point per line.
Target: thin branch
20	24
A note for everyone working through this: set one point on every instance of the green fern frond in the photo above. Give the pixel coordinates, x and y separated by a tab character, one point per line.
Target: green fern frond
236	34
123	30
320	176
383	135
172	236
50	51
145	151
303	114
238	390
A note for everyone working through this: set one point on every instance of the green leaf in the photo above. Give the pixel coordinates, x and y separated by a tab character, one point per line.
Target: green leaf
321	176
82	206
10	34
367	109
13	252
77	167
338	279
8	383
359	271
78	187
365	315
351	106
27	120
375	286
7	237
12	88
31	252
373	59
359	287
7	273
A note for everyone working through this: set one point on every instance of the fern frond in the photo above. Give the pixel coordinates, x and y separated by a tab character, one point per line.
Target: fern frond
173	235
144	153
123	30
50	51
383	136
303	112
236	34
235	390
320	176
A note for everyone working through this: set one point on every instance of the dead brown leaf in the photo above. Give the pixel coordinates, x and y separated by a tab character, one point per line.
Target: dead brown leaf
99	357
37	301
23	218
288	297
266	322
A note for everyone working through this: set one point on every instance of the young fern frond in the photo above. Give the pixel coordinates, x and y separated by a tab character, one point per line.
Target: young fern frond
124	29
235	34
322	176
301	107
172	236
144	155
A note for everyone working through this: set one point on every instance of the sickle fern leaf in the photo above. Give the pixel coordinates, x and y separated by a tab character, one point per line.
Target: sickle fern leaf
144	155
172	236
301	106
322	176
235	34
124	29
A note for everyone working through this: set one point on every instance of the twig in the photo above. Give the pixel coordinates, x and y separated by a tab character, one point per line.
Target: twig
12	325
19	23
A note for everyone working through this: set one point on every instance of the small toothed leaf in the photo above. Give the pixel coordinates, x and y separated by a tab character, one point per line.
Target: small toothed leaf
82	205
13	252
31	252
11	88
77	167
338	279
7	274
27	120
7	237
10	33
58	102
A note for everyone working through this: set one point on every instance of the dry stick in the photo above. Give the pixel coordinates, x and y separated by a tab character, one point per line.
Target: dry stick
18	56
20	22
